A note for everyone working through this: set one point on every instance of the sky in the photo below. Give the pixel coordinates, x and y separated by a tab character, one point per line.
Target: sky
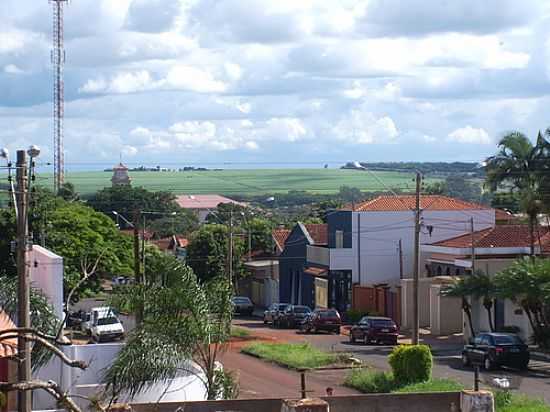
257	82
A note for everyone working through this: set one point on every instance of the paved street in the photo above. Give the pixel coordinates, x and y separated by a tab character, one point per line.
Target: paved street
535	382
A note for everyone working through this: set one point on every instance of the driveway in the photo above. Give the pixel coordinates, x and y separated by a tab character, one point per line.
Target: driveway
447	363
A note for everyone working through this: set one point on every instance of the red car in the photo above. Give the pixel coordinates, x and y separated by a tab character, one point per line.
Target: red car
322	319
374	329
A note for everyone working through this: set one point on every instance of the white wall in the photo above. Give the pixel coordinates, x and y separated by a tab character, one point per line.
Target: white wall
380	233
46	273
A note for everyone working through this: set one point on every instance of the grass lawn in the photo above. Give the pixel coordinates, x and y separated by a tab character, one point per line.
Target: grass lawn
237	332
296	356
372	381
245	181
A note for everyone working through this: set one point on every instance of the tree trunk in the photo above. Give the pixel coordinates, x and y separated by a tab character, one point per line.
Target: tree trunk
468	311
488	307
532	219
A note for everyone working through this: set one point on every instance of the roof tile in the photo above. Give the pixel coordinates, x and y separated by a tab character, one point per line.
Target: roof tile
399	203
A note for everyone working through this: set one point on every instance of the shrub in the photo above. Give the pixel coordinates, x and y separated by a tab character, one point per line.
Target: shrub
369	381
433	385
411	364
354	316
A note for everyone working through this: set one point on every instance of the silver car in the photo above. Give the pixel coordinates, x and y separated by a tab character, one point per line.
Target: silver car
273	312
242	305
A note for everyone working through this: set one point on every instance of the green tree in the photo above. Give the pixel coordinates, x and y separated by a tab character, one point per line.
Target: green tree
518	166
350	194
208	252
224	212
482	287
127	199
461	289
260	233
183	223
179	303
68	192
527	284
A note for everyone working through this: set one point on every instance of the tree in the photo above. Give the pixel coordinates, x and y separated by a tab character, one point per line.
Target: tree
527	284
202	311
461	289
350	194
126	200
68	192
208	252
260	230
519	165
183	223
482	287
224	212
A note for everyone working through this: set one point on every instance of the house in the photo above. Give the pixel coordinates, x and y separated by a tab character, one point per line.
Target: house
494	249
203	205
175	245
298	282
262	284
8	366
364	243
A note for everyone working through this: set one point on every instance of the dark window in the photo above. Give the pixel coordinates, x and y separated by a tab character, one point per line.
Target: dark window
485	340
507	340
107	321
457	271
439	271
382	323
328	314
302	309
448	272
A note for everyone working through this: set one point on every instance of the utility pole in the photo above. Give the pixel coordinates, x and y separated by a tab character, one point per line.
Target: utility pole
23	277
473	246
137	269
143	246
231	246
400	250
417	211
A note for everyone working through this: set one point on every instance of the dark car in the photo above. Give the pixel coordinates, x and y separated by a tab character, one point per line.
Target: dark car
274	311
492	350
322	319
292	316
242	305
374	329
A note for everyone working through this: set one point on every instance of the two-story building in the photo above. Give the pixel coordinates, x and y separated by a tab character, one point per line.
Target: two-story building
373	244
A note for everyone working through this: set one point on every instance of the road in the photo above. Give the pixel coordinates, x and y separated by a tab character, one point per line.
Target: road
447	364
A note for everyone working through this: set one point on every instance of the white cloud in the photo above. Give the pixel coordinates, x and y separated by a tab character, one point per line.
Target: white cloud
363	127
12	69
470	134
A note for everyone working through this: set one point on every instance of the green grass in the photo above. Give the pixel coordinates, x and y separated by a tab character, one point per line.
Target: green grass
237	332
372	381
296	356
246	181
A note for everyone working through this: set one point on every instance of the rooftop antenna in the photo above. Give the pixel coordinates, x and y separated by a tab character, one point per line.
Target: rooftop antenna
58	61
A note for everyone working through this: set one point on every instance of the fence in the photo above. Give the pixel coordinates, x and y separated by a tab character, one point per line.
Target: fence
380	300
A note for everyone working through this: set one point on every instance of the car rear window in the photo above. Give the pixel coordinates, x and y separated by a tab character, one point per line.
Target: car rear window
507	340
328	314
382	323
302	309
241	300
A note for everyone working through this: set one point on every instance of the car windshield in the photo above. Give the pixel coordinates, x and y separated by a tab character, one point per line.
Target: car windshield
302	309
241	300
382	323
282	307
507	340
328	314
107	321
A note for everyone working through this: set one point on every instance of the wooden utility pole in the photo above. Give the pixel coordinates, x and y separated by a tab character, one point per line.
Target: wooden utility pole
23	276
137	266
473	246
231	247
400	250
416	320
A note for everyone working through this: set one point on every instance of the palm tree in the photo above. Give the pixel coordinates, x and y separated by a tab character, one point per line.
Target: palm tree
483	288
460	288
520	165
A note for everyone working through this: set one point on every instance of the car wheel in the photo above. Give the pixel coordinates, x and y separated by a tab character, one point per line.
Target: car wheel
465	360
488	364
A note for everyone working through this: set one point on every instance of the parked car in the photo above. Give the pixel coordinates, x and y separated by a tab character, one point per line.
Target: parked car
292	316
242	305
322	319
271	313
492	350
105	325
74	319
85	323
374	329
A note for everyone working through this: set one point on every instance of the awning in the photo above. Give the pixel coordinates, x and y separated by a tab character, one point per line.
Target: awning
313	271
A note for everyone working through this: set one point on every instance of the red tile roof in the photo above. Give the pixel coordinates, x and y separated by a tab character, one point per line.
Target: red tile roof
392	203
318	232
204	201
500	236
8	347
280	236
502	216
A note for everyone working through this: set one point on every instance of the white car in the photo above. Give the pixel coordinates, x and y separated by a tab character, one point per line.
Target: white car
105	325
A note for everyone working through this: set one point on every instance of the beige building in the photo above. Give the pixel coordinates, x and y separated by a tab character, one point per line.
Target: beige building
120	175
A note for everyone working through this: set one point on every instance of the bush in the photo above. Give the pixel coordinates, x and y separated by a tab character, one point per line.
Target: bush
411	364
369	381
433	385
354	316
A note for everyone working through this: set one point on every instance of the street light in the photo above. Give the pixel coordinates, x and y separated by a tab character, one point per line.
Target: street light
118	215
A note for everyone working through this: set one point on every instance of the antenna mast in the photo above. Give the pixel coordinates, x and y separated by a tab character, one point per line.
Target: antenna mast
58	61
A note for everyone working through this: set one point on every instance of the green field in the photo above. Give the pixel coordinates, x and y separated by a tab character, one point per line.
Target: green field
246	181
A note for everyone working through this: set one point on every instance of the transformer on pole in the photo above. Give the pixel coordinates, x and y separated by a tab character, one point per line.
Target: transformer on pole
58	61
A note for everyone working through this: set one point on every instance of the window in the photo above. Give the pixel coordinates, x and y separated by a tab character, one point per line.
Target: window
486	340
339	239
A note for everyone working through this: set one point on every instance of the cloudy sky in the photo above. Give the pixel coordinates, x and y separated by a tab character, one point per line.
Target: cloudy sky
287	81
